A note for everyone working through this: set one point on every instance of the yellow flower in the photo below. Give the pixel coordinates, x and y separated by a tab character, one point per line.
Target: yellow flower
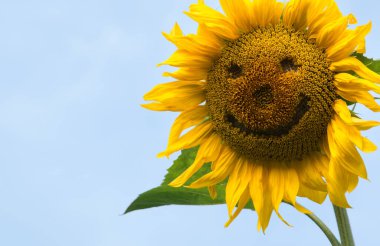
262	89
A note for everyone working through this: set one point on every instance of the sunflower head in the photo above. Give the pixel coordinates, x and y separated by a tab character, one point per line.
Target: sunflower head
264	94
263	91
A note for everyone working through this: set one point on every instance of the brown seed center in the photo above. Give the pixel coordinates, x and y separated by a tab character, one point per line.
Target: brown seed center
270	94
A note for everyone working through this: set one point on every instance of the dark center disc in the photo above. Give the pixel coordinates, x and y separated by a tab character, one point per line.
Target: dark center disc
270	94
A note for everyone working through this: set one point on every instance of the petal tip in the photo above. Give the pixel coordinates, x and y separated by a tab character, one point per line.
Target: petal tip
162	154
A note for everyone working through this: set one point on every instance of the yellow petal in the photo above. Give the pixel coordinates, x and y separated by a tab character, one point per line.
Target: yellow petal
332	31
265	214
185	120
207	41
364	124
193	138
352	181
239	13
175	33
348	43
347	82
364	144
176	96
212	191
314	195
260	196
211	149
353	64
352	125
362	97
224	166
232	185
340	107
190	171
204	43
302	209
163	92
216	22
244	199
320	14
361	49
342	149
291	185
337	185
164	107
295	14
282	184
188	74
355	90
208	152
339	182
244	177
276	185
325	148
311	170
184	58
266	12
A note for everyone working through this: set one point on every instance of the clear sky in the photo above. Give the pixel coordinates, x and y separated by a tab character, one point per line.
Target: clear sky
76	148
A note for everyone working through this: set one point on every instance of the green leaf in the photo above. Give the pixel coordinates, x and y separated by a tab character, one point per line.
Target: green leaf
372	64
166	195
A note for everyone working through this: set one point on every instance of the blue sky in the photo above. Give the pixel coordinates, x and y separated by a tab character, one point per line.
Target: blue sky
76	148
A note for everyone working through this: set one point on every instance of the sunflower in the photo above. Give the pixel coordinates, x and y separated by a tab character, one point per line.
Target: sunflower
264	90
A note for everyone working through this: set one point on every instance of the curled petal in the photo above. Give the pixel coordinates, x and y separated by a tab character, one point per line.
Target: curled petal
353	64
348	43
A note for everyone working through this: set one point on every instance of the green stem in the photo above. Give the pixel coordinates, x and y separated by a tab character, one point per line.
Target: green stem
344	226
330	236
333	240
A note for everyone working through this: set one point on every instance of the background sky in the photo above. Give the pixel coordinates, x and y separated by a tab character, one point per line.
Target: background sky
76	148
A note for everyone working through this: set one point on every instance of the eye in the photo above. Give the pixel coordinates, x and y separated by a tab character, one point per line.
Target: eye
234	71
287	65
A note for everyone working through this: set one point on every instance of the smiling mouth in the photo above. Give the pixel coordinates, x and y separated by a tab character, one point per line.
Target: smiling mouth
300	111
